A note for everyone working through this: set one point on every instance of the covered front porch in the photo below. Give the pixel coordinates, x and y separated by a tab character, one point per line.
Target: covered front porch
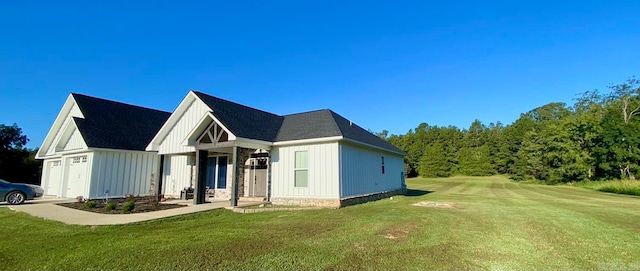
227	167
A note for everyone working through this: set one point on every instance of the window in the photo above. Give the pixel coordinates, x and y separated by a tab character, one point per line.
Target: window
217	172
301	169
222	172
382	164
79	159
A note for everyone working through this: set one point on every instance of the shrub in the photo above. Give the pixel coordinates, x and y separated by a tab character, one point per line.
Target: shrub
128	207
130	198
90	204
111	206
622	187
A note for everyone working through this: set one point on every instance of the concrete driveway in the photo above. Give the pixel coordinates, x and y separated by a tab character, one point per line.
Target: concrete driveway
49	210
41	201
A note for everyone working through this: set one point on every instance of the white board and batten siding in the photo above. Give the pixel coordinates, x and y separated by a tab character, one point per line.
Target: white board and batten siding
361	171
177	174
323	171
123	172
73	112
172	143
74	142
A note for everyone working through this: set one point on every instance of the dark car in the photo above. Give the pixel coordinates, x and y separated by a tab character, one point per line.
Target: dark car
17	193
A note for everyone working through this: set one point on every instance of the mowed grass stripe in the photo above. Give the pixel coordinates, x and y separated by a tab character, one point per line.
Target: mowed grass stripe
495	224
575	196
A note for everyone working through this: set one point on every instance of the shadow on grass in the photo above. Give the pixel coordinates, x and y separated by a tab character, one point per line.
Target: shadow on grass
416	193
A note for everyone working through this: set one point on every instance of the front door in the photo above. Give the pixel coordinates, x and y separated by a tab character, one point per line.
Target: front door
258	177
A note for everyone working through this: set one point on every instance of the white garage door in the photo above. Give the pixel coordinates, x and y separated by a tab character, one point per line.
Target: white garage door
76	176
54	177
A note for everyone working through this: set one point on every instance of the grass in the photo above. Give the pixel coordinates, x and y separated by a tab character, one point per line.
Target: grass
496	224
619	187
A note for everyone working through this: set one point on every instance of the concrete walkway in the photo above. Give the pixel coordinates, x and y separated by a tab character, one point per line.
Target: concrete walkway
77	217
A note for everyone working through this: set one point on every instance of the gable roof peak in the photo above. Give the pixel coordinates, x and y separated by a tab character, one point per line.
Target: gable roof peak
202	95
241	120
308	112
76	95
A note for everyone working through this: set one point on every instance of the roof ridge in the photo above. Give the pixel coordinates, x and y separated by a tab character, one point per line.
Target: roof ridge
306	112
335	121
74	94
242	105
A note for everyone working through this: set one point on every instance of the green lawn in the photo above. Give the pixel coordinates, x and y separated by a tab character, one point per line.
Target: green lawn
496	224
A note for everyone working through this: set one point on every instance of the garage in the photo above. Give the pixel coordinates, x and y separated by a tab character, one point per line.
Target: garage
76	176
54	172
96	149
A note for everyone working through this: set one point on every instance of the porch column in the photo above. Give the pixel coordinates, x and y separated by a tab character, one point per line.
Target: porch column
160	178
236	176
201	177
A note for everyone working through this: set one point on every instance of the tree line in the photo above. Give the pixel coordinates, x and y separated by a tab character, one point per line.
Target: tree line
598	137
17	163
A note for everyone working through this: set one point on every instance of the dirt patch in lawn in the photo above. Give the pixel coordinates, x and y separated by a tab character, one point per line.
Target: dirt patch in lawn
399	233
435	204
141	205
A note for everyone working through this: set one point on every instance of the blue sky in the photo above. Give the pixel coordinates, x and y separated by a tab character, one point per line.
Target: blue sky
384	65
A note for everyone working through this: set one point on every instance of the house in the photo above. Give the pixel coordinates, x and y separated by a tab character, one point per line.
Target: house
220	149
226	151
96	148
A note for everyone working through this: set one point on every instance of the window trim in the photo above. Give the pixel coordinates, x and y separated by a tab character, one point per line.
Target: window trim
297	169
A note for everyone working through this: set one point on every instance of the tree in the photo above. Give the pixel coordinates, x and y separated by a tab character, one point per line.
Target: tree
434	162
596	138
11	138
16	162
474	157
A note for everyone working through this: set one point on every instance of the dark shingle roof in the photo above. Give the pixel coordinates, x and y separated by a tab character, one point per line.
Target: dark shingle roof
314	124
251	123
352	131
243	121
326	123
114	125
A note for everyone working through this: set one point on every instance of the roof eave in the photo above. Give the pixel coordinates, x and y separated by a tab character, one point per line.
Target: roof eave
57	125
308	141
154	145
375	147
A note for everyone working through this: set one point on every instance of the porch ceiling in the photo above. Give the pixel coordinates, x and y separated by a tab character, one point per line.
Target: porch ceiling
233	143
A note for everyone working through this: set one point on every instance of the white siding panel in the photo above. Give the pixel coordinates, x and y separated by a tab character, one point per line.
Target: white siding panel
119	173
361	171
172	144
75	141
74	112
323	172
177	174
